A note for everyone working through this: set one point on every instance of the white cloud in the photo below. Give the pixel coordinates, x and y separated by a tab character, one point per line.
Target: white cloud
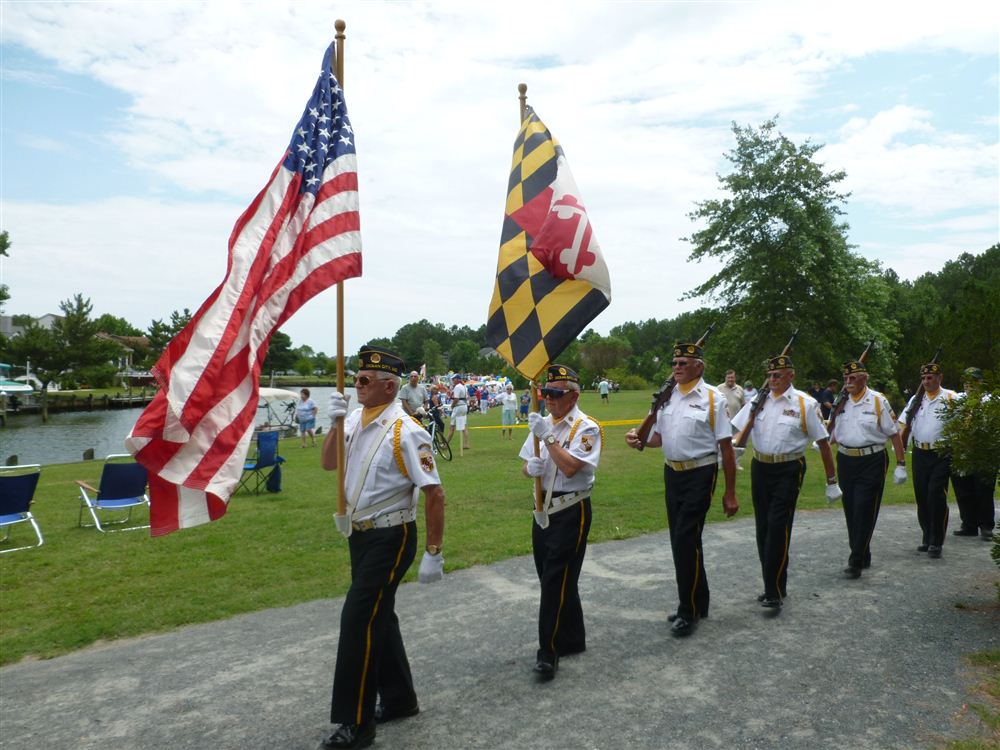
639	94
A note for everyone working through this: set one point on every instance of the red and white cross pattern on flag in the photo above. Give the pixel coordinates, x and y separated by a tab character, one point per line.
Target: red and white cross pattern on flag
565	243
300	236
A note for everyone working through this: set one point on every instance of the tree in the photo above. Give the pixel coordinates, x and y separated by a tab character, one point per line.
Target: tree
70	348
116	326
463	355
280	356
601	353
432	357
160	334
4	247
786	263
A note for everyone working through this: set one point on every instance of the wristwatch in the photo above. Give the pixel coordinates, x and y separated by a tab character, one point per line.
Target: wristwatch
434	549
550	439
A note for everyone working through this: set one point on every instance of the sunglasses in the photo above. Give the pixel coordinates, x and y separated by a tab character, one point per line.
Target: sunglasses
775	375
678	363
364	380
553	392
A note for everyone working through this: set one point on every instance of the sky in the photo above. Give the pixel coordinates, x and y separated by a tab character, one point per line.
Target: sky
133	135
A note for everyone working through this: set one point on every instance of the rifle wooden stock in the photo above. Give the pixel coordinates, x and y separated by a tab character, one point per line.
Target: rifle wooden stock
758	402
662	397
911	412
841	401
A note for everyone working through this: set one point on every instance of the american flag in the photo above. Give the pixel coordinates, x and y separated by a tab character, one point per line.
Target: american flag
300	235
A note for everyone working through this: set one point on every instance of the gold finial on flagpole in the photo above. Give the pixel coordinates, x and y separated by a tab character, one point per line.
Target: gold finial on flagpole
522	89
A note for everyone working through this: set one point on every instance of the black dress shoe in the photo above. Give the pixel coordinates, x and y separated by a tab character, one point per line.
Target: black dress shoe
771	602
761	597
922	547
966	532
546	669
384	714
852	572
350	736
682	626
986	535
933	551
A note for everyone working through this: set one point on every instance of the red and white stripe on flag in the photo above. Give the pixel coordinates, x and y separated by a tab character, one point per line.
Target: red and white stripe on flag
300	236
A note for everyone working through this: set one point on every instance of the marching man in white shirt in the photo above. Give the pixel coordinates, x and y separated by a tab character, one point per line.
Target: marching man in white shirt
860	429
931	469
693	429
570	448
788	420
388	459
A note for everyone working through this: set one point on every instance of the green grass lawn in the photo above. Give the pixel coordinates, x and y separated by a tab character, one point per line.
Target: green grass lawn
280	549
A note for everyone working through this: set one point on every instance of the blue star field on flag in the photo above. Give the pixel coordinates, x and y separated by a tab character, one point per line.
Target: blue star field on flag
323	133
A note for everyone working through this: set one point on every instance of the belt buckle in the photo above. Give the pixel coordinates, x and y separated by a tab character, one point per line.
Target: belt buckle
366	525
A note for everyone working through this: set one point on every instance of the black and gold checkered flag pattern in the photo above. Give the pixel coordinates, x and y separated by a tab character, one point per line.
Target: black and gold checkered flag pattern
534	315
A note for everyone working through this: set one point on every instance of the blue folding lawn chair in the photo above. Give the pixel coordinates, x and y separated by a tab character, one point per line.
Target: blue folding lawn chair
265	469
17	490
122	489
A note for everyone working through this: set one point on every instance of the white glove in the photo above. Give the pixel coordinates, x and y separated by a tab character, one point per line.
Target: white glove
343	524
833	493
538	425
899	475
421	411
541	518
535	467
337	407
431	568
815	447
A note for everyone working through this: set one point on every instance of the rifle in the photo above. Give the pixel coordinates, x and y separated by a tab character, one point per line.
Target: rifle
662	397
841	400
758	401
911	412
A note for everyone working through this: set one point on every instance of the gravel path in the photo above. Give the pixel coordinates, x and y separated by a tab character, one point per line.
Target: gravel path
872	663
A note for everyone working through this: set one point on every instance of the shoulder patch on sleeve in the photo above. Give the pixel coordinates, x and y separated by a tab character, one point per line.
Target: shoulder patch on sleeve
426	457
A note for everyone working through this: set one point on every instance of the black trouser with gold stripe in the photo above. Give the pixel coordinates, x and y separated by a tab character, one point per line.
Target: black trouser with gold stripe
559	552
689	496
371	657
974	495
862	480
930	488
775	490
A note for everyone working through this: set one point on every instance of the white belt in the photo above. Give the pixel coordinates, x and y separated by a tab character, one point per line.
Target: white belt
866	451
561	502
694	463
777	458
396	518
926	446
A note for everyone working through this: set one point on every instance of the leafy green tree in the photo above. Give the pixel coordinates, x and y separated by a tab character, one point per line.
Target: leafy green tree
160	333
971	433
280	355
116	326
463	355
432	357
4	247
786	263
304	366
601	353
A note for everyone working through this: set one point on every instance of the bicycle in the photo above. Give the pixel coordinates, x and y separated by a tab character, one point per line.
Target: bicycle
439	443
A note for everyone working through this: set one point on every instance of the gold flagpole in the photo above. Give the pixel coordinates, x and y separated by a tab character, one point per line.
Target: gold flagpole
522	90
338	70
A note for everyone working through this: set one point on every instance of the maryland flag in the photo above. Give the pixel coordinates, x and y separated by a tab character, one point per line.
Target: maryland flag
551	277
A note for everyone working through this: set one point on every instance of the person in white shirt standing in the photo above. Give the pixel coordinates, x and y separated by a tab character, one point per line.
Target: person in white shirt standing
459	411
508	402
692	428
924	415
569	450
786	423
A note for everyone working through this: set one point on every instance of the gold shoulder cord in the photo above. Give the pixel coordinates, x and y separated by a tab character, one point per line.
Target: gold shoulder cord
578	422
397	451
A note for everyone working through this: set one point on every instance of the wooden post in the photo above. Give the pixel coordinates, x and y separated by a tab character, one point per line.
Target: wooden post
338	70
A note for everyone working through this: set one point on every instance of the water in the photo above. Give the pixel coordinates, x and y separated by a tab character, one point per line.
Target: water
68	434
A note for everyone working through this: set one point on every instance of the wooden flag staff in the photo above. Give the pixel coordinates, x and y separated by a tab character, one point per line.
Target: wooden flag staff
337	65
522	89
